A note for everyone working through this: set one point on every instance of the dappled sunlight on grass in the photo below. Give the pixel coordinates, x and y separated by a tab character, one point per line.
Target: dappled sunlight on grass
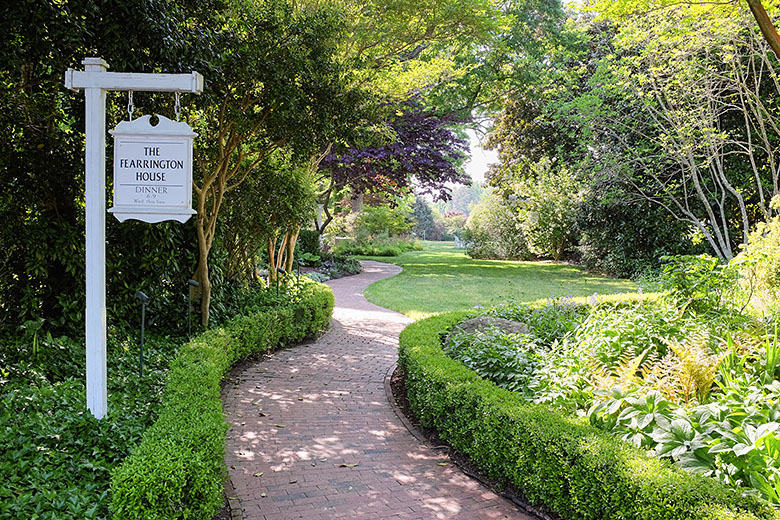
419	315
442	278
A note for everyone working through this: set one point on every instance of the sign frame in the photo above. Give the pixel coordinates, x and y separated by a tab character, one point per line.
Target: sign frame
167	134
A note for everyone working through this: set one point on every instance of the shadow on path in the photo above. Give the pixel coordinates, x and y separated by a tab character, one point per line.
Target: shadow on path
314	437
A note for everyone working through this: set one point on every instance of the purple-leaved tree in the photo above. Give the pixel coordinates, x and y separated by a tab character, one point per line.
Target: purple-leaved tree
425	151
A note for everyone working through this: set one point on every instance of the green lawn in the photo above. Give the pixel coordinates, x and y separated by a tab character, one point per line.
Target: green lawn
443	278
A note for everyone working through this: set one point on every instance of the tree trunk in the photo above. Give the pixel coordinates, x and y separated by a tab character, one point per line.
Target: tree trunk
204	284
323	200
282	250
206	227
766	25
291	241
271	248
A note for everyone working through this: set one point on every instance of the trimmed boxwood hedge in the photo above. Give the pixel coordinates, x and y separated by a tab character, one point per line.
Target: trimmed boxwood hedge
558	462
178	471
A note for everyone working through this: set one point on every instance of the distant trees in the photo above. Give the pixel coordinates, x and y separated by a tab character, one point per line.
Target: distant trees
668	118
424	223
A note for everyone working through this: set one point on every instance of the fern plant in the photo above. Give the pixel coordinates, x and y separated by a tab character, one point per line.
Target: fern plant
688	371
626	373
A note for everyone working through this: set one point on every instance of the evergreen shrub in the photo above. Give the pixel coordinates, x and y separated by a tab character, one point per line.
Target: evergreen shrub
309	242
627	239
558	461
177	471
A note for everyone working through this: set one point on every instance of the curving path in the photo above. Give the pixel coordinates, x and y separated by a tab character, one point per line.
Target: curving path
313	435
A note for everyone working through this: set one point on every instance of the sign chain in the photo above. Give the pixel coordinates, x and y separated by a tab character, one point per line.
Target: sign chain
130	105
177	106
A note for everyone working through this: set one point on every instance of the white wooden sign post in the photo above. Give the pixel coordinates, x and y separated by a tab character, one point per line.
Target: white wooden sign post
95	80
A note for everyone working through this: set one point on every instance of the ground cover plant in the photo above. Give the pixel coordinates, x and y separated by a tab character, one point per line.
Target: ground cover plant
442	278
332	266
55	457
687	376
57	460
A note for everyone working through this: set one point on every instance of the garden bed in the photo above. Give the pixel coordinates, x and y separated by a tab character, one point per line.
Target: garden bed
158	453
558	460
177	471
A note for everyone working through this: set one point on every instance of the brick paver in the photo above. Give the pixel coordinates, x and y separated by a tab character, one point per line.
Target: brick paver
313	435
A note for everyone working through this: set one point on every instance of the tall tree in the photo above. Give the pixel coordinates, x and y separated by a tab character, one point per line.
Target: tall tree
265	213
705	115
277	85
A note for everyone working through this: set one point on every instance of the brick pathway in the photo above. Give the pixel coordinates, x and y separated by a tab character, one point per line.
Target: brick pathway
314	437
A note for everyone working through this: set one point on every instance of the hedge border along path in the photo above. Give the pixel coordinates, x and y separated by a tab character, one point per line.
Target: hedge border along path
315	437
178	471
560	463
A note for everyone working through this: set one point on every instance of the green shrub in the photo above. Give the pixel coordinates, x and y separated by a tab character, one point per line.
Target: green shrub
557	461
309	242
177	471
550	321
379	246
237	299
611	332
759	262
493	231
698	282
625	237
548	212
338	265
309	260
378	220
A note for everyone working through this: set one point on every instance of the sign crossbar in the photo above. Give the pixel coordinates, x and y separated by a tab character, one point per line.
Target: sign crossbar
138	82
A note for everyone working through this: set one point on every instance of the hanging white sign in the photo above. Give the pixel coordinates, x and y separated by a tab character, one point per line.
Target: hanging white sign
153	170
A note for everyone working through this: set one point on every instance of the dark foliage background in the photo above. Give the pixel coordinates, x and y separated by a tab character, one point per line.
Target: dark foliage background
41	159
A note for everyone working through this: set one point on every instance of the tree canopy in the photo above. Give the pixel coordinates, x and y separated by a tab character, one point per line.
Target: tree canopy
422	147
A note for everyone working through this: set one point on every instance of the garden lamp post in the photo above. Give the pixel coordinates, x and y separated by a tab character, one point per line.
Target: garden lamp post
144	299
279	271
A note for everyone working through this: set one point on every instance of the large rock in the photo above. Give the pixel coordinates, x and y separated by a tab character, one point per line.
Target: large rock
481	323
